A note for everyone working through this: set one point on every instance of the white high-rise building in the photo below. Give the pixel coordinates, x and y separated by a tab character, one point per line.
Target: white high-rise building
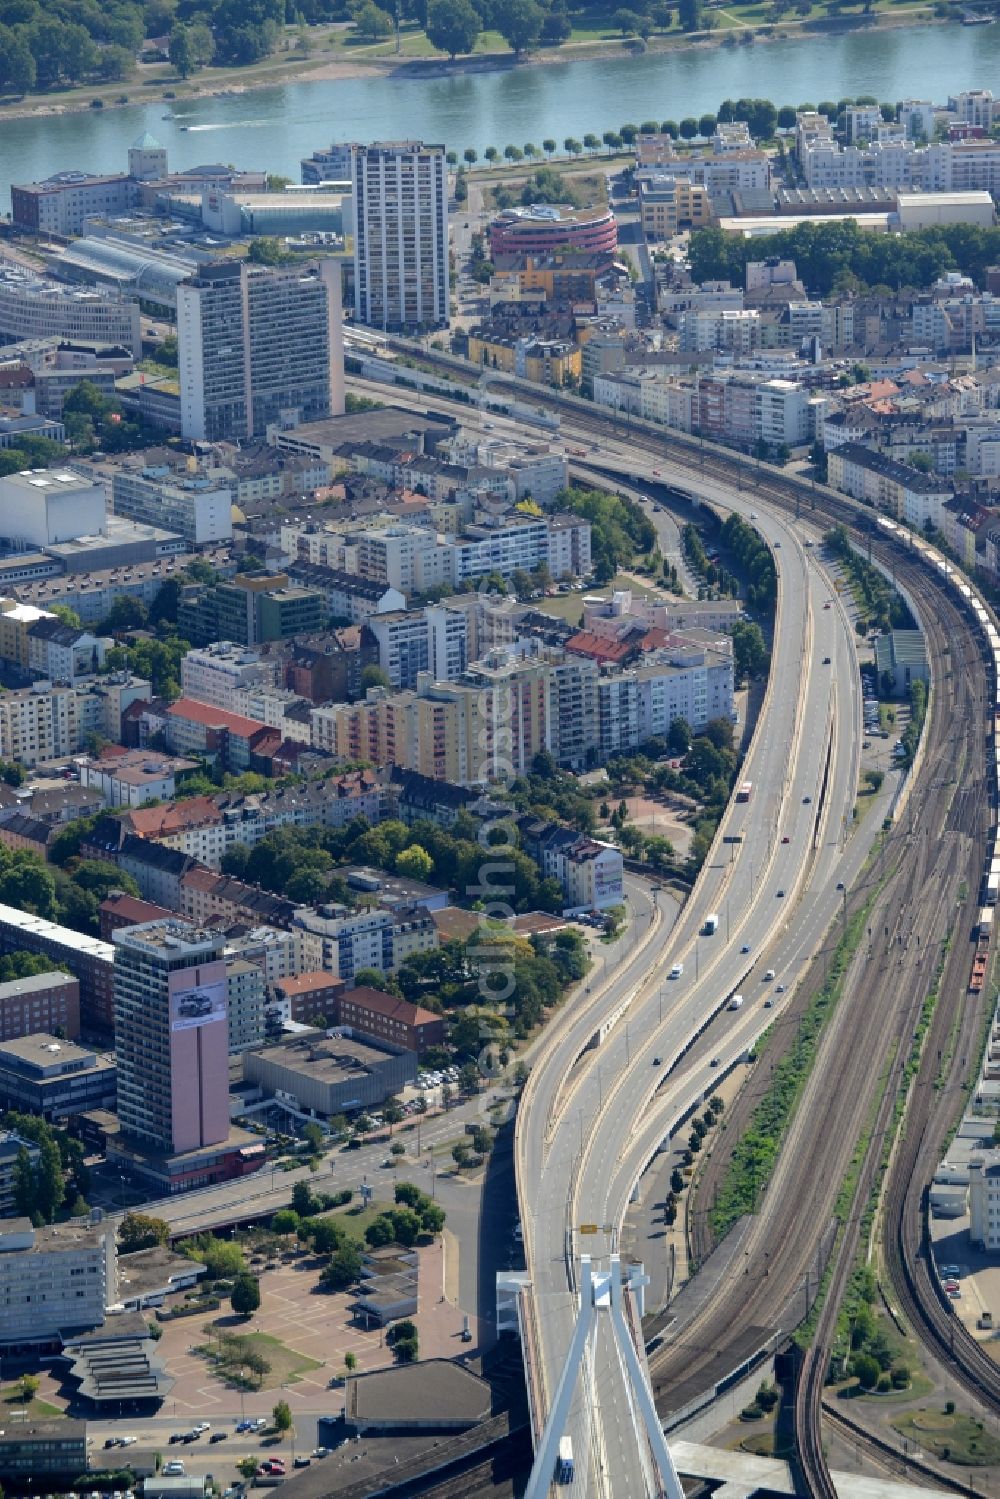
400	235
259	347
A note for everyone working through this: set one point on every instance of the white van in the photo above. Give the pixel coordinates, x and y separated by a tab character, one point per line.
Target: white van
736	1002
677	970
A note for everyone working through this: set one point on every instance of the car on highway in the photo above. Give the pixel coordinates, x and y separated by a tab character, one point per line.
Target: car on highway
769	975
826	661
827	604
302	1462
780	894
657	1061
321	1451
745	947
714	1062
769	1003
779	989
840	884
785	838
677	970
807	801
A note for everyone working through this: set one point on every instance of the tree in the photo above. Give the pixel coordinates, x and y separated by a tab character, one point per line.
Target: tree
548	146
303	1201
520	24
344	1268
867	1370
285	1221
281	1416
372	22
180	51
138	1231
24	1183
380	1232
415	863
247	1468
63	51
327	1235
460	1154
453	27
482	1140
679	736
689	15
491	154
50	1186
392	1113
245	1295
29	1387
556	29
470	155
223	1259
406	1226
17	66
374	676
313	1134
406	1349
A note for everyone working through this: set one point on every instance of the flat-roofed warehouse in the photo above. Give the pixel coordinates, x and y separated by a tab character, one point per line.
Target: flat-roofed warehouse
435	1395
331	1074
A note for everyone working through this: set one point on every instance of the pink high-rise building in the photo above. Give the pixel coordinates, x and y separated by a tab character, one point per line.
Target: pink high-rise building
171	1036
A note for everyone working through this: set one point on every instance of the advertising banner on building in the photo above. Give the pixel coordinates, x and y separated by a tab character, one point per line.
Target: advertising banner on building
196	1005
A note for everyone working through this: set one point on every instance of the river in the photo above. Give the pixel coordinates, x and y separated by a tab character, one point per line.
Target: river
274	128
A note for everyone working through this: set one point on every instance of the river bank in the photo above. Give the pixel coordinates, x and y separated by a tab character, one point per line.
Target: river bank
156	83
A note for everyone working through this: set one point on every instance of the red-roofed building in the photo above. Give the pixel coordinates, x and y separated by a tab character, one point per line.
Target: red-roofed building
390	1019
128	910
168	821
311	997
603	651
194	728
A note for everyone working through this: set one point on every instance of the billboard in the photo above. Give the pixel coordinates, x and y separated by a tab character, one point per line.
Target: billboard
197	1005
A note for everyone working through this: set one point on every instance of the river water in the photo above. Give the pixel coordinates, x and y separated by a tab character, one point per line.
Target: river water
273	128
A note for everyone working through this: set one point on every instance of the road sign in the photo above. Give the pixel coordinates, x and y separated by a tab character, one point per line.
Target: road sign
588	1228
732	837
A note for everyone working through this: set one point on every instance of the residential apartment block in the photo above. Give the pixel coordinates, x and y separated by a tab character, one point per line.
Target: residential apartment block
194	507
54	1280
400	235
259	346
43	1002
